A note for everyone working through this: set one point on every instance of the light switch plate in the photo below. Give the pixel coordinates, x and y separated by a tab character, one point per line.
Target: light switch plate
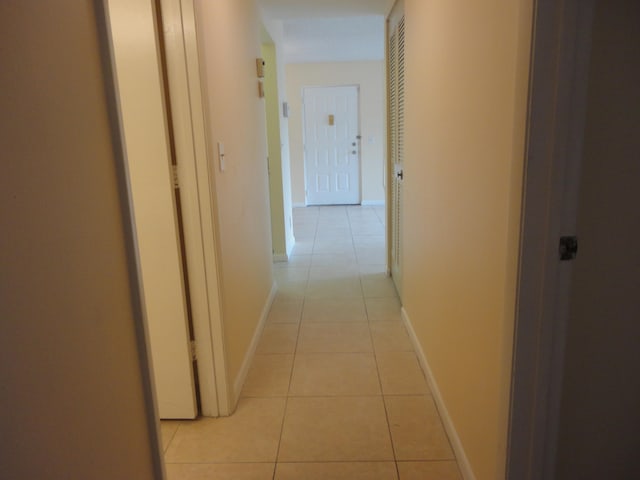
221	158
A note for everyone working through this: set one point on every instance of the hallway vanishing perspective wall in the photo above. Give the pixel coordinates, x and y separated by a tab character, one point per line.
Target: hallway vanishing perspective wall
230	42
466	94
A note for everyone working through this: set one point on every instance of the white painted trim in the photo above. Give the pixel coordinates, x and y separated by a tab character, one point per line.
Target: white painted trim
280	258
372	203
299	205
557	111
251	351
130	241
291	244
208	326
177	73
456	443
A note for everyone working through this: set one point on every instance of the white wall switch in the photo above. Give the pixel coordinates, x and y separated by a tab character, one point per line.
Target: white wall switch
221	158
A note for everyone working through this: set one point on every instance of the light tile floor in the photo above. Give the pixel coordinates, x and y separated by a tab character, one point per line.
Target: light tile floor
335	390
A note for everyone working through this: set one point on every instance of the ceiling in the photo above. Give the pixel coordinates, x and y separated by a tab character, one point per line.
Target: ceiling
329	30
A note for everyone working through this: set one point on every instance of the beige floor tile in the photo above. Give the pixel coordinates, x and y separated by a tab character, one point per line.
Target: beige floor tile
221	471
390	337
383	309
376	241
375	270
284	295
335	429
378	285
334	272
333	246
334	288
306	232
334	374
371	256
367	228
327	234
429	471
337	471
400	374
291	289
416	429
167	431
285	310
249	435
303	248
291	274
334	337
268	376
331	260
278	338
334	310
295	261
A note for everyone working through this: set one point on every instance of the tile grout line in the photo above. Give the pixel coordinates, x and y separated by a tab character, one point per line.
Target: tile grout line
375	356
353	244
386	413
373	350
295	350
166	449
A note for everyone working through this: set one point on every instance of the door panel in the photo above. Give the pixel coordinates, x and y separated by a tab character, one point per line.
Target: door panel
396	41
144	128
332	146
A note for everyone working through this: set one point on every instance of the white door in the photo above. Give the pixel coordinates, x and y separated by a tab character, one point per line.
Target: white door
396	137
144	128
332	145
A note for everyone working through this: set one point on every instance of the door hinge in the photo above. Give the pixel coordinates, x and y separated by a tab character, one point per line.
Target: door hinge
192	349
174	176
568	248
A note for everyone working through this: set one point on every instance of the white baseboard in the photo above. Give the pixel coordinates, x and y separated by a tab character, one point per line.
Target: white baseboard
251	351
461	457
372	203
280	258
290	244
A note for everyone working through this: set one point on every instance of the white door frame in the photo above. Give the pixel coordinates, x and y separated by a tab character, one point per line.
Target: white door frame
304	140
140	92
198	208
557	111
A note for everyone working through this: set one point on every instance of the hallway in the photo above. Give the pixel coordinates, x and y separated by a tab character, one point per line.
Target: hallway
335	390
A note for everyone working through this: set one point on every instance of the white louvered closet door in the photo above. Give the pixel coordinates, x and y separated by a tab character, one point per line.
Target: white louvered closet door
396	83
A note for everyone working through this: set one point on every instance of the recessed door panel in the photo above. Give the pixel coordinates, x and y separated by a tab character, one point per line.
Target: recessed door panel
332	145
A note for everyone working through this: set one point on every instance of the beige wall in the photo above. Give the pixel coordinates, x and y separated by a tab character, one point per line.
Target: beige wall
229	37
601	394
370	77
466	90
71	380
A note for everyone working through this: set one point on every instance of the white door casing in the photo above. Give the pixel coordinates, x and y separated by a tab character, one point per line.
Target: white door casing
144	130
557	111
332	145
201	254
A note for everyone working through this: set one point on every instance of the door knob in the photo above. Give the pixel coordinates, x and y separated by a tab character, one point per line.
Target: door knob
400	174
